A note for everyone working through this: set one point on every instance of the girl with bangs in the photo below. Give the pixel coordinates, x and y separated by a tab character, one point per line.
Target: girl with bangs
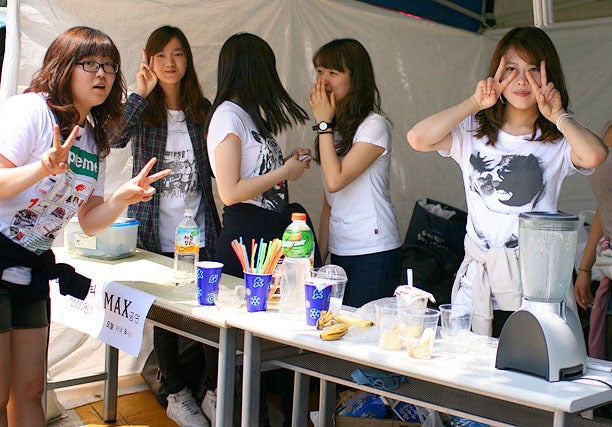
52	149
165	118
358	226
515	141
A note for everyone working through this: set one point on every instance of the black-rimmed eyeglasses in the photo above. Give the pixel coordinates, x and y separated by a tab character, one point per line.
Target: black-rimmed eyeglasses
93	66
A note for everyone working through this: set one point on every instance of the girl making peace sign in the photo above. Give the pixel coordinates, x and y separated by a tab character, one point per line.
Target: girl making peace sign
515	142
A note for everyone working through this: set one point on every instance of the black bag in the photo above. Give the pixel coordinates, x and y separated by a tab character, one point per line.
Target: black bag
192	359
433	249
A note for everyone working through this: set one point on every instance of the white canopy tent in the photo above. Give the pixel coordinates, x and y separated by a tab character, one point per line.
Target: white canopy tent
421	67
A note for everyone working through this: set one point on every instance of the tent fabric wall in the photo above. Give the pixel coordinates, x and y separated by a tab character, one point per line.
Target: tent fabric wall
421	67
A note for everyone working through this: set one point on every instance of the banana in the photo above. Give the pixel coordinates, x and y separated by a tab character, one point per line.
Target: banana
334	332
326	319
354	321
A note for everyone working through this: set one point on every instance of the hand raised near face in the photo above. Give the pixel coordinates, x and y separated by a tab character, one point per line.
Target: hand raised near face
55	159
146	79
323	107
546	95
488	91
139	189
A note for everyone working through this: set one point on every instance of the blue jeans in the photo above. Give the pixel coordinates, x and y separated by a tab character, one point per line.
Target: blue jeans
370	276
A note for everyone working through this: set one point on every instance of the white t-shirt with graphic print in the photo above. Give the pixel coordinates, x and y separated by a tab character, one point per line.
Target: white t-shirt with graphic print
514	176
259	155
179	190
34	217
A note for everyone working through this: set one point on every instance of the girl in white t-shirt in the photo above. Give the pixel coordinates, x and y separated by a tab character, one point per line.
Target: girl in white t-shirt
515	143
358	224
250	108
52	147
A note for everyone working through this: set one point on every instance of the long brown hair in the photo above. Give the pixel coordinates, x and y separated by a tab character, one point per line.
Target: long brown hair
348	55
191	97
247	74
54	79
533	45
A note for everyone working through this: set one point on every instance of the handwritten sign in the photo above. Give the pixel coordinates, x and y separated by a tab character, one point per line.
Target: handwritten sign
113	313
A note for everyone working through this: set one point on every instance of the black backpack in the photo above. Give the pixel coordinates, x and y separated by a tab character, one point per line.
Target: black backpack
433	249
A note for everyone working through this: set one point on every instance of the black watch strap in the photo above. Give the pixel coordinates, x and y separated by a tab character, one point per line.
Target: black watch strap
322	126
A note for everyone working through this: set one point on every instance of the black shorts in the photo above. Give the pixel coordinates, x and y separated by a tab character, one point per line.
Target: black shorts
16	313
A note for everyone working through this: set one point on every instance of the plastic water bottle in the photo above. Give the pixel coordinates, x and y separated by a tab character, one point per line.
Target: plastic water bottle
298	247
186	249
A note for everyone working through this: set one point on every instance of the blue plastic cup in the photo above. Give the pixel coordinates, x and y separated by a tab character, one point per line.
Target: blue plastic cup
208	276
318	296
257	288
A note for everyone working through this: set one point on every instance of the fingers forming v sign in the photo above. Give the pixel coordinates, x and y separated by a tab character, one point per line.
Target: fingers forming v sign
488	91
139	188
146	79
55	159
546	95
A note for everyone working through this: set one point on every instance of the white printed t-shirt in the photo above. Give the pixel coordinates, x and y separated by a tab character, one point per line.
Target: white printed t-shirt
179	190
362	217
34	217
502	181
259	155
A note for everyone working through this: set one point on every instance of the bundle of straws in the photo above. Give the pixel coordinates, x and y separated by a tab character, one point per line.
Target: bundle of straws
264	256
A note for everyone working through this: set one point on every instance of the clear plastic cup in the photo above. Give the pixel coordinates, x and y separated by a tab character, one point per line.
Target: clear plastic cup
337	277
390	321
420	332
455	326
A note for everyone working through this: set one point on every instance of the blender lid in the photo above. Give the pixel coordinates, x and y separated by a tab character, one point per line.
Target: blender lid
548	216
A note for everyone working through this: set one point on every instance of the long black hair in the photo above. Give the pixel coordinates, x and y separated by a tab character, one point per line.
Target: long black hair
247	75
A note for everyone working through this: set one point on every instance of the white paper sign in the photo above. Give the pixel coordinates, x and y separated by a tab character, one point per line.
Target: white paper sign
113	313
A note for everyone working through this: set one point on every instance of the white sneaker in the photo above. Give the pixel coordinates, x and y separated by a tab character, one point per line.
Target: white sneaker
184	410
209	407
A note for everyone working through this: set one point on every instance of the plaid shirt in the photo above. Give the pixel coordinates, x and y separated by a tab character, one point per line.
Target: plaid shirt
148	142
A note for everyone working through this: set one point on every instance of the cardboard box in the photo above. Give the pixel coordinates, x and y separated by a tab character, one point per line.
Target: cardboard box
342	421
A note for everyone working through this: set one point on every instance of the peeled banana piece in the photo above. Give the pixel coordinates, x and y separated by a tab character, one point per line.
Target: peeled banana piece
354	321
334	332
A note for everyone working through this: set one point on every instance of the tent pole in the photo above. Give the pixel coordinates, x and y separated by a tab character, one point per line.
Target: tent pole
12	51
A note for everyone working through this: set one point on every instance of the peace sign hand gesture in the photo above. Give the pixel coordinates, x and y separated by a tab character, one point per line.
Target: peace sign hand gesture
139	189
489	90
55	159
546	95
146	79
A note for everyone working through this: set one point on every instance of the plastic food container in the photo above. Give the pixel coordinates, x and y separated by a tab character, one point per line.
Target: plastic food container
118	241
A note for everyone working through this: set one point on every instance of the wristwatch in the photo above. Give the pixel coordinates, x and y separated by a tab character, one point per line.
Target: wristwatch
322	126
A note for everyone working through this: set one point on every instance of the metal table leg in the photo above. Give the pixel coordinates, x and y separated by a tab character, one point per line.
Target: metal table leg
111	384
226	377
251	379
299	415
327	403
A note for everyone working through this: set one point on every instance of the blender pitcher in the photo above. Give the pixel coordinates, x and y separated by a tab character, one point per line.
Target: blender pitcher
547	245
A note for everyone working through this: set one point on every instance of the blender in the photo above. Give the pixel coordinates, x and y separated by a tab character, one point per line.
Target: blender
544	338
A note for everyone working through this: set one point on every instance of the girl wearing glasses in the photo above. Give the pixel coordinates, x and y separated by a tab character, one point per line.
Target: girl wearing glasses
165	118
52	150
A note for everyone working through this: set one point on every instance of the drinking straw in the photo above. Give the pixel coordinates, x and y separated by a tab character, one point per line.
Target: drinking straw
239	254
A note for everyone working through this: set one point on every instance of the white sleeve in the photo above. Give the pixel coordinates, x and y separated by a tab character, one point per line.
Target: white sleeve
222	123
26	124
374	130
